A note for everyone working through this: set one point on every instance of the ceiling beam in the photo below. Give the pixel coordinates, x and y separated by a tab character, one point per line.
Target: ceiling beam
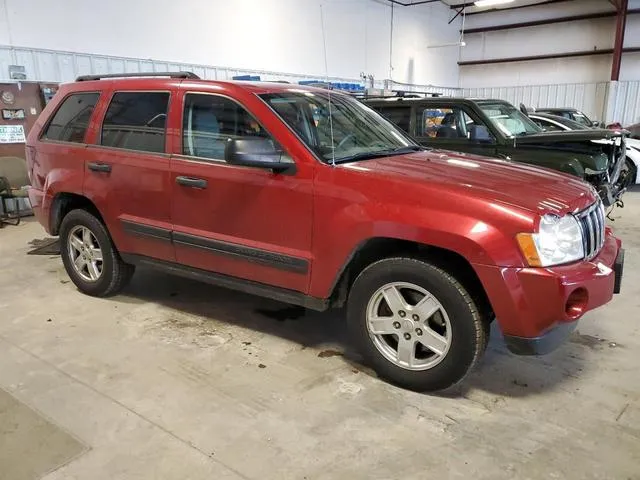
471	4
411	4
549	21
585	53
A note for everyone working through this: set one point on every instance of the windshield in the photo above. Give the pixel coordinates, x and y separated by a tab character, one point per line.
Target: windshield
355	133
573	125
582	119
509	120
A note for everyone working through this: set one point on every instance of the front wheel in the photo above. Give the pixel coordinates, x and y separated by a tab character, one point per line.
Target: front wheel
415	324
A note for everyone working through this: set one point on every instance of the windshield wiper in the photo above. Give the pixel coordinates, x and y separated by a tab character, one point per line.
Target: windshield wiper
380	153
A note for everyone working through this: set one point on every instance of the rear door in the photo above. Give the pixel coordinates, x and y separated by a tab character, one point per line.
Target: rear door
244	222
453	127
127	172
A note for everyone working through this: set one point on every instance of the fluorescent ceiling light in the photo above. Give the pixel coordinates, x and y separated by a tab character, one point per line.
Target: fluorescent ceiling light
440	45
490	3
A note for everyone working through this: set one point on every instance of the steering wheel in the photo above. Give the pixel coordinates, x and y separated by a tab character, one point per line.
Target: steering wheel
344	140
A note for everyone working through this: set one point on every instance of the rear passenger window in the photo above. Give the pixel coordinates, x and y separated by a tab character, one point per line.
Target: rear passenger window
70	122
399	116
136	121
210	120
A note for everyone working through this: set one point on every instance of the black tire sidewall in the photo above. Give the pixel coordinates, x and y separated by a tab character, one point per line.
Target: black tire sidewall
109	260
467	341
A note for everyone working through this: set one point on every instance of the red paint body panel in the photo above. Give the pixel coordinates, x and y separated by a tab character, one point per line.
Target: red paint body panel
530	301
321	214
241	205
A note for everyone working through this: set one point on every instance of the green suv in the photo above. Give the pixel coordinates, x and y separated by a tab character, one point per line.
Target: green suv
495	128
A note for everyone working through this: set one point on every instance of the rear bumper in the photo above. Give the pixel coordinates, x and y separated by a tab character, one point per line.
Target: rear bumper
538	308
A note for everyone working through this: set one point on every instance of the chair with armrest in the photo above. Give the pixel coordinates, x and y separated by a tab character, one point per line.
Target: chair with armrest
13	179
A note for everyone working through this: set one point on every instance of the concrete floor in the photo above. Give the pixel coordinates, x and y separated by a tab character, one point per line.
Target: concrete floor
175	379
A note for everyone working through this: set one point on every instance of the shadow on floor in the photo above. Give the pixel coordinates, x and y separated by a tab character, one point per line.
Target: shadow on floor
499	372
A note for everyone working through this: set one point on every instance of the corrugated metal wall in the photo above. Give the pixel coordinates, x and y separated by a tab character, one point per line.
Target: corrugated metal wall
57	66
588	97
624	105
591	98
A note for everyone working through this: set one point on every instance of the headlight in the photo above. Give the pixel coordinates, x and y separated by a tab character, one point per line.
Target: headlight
558	241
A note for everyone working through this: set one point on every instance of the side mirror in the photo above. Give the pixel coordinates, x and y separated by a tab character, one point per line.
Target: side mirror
256	152
596	124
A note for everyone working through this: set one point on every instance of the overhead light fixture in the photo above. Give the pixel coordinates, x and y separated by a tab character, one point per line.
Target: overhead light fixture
455	44
490	3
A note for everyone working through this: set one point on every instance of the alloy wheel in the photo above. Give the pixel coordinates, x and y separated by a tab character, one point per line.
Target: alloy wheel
85	253
408	326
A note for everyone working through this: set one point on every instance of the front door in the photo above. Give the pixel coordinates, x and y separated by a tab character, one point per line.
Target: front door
452	127
127	173
244	222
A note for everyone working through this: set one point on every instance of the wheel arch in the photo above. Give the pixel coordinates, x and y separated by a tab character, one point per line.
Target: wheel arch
63	203
377	248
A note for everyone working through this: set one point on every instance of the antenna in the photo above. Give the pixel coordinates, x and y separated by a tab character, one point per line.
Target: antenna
391	45
326	78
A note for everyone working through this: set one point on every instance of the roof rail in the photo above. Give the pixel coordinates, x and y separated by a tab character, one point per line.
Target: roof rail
397	95
87	78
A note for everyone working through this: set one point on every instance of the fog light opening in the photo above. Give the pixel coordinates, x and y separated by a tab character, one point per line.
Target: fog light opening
577	303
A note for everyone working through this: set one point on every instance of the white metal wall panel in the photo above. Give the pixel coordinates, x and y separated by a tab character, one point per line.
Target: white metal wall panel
591	98
588	97
626	106
57	66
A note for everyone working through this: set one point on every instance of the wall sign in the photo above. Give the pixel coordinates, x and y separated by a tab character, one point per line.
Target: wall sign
12	134
8	97
13	113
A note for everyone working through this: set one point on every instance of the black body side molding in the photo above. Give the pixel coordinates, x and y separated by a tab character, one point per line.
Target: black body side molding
260	289
217	247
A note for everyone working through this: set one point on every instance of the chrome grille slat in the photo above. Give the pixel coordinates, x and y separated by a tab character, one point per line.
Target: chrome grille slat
592	232
592	224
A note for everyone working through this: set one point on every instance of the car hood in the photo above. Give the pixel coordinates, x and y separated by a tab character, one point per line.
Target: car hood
523	186
568	136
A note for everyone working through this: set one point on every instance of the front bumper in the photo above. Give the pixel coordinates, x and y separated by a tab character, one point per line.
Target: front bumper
537	308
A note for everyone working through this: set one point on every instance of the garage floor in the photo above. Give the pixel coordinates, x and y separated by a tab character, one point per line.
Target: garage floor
175	379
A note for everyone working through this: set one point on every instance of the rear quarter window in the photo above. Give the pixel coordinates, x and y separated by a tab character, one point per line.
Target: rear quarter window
399	116
70	122
136	121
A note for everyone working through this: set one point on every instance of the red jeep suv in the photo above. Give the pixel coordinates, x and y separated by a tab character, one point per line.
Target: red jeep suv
309	197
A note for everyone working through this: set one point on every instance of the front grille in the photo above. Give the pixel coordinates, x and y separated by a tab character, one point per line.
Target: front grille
592	223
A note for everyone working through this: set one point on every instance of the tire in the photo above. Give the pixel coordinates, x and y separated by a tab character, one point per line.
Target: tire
111	273
631	173
456	322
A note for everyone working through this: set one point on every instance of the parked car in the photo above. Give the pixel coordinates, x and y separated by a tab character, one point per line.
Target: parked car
496	128
571	114
311	198
553	123
635	130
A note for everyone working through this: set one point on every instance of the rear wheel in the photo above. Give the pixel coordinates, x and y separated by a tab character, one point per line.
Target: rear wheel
89	256
415	324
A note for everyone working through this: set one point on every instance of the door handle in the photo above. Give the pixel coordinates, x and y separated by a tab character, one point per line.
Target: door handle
99	167
191	182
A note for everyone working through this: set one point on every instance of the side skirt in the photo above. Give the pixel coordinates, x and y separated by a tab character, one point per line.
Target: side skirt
260	289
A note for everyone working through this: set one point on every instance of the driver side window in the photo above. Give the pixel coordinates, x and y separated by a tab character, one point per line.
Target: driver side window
450	123
209	121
